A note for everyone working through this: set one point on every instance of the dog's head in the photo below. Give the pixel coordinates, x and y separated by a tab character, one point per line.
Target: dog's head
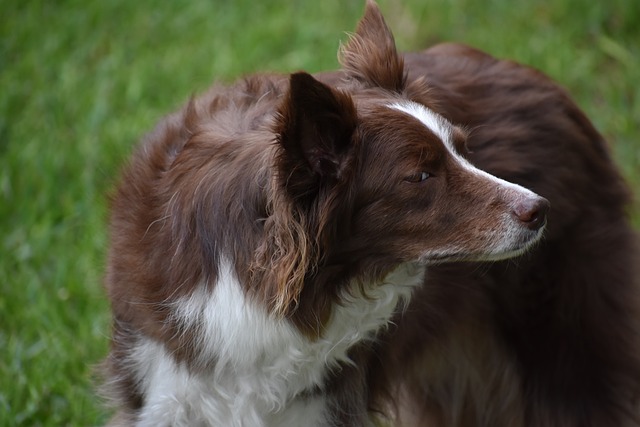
371	176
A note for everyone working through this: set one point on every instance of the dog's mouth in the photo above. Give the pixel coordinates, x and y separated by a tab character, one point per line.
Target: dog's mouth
516	249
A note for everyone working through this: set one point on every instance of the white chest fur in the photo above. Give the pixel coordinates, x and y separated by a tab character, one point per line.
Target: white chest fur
258	364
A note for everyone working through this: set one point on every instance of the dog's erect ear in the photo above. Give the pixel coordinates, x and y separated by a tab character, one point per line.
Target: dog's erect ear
371	56
314	129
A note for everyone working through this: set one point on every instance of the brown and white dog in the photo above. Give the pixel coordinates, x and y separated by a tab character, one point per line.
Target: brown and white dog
323	251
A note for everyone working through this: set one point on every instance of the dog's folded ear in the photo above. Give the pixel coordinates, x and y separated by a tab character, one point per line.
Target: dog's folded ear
370	56
314	128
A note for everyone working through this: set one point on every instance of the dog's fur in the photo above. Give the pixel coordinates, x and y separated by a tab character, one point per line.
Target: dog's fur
315	251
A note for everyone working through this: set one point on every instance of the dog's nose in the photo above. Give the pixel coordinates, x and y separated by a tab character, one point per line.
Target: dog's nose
532	212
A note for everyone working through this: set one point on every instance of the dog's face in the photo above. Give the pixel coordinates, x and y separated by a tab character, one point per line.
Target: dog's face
416	196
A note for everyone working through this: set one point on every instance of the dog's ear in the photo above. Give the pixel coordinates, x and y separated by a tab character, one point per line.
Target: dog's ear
370	55
314	129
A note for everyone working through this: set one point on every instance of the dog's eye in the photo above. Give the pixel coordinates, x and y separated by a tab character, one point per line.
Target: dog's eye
418	177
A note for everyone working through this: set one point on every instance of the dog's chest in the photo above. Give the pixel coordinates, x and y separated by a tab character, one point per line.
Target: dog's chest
264	372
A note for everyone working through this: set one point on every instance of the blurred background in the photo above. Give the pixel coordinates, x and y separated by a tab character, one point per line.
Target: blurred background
81	81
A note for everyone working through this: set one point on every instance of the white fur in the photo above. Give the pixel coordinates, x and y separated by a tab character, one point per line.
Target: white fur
253	367
433	121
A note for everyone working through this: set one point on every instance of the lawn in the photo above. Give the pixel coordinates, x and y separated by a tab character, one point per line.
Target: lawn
81	81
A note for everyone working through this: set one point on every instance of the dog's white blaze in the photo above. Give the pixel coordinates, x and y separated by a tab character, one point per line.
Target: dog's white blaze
253	365
432	120
443	129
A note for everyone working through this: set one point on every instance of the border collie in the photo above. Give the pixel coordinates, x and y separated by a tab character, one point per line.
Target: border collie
332	250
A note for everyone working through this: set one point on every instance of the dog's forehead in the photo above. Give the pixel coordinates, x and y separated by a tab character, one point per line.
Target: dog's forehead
437	124
402	129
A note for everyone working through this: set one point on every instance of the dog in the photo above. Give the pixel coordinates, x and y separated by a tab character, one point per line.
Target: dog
369	246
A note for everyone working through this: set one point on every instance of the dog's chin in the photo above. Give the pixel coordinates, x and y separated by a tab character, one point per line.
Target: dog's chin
514	250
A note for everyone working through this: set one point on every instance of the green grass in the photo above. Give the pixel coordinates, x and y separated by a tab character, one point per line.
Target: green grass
81	81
